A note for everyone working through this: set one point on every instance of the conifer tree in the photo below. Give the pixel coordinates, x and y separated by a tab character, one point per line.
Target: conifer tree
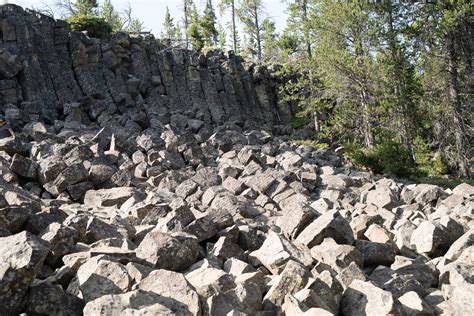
232	6
169	30
208	25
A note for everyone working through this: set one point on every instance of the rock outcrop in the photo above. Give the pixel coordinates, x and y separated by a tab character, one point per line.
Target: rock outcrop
158	202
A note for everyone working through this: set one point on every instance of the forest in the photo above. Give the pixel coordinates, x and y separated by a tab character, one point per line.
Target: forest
389	81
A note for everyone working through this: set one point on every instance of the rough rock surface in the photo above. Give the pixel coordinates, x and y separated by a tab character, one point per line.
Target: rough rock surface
139	184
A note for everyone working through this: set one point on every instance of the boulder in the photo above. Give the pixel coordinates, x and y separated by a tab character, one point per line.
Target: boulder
21	258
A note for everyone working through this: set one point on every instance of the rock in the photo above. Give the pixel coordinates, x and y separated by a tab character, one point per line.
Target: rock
276	251
49	299
208	281
13	218
337	256
61	239
24	167
412	304
174	252
293	278
364	298
244	298
136	302
292	306
21	258
382	198
463	242
330	224
109	197
430	238
464	189
375	254
173	285
10	65
98	277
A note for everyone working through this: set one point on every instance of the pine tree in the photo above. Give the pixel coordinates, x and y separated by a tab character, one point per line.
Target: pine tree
222	39
208	25
269	40
251	14
194	31
86	7
169	30
445	43
187	17
231	5
111	16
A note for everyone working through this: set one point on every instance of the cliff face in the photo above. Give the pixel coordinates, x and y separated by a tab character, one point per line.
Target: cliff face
48	72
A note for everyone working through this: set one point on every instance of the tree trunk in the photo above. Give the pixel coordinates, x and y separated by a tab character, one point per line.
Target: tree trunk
186	22
406	121
305	28
234	27
257	32
455	103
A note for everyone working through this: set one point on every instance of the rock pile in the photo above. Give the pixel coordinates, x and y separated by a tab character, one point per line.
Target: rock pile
221	222
184	216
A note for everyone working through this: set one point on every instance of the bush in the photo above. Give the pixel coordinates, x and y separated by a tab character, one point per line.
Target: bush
388	157
300	120
95	26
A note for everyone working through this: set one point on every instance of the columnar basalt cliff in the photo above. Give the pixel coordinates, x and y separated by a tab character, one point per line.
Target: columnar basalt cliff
46	70
147	181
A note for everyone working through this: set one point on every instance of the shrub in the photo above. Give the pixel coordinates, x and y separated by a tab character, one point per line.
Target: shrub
389	157
300	120
95	26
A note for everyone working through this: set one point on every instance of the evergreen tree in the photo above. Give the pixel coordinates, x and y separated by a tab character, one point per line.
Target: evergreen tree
194	31
444	30
298	24
231	5
169	30
222	39
251	14
86	7
111	16
187	17
269	39
208	25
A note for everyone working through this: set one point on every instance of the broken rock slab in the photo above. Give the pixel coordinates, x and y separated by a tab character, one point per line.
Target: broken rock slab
21	258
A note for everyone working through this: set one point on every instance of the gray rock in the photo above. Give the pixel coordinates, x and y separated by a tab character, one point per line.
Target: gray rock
292	279
21	258
276	251
364	298
136	302
173	285
330	224
174	252
98	277
49	299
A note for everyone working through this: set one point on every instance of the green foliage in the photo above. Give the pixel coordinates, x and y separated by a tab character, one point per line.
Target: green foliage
111	16
208	25
388	157
299	121
93	25
194	31
169	29
86	7
310	143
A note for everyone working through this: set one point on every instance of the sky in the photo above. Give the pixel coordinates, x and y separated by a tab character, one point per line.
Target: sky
152	12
